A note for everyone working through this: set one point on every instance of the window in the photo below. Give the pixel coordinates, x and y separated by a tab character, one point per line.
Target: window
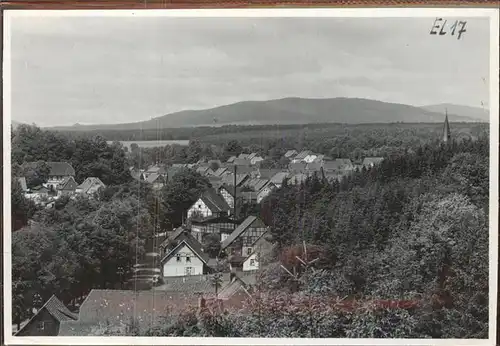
188	270
41	326
252	263
249	251
199	206
178	257
188	259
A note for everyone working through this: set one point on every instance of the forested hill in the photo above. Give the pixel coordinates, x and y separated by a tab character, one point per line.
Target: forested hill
287	111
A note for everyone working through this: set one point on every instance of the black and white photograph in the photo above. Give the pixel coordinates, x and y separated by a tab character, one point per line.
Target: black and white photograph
264	176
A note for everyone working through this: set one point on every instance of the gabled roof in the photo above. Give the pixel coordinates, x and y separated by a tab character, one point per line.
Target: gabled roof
261	244
319	158
61	169
290	153
338	164
191	243
279	177
156	169
243	156
372	160
238	231
56	309
220	171
231	159
228	179
268	173
90	182
214	201
258	184
68	184
118	307
202	169
153	177
314	167
251	156
303	154
242	162
22	182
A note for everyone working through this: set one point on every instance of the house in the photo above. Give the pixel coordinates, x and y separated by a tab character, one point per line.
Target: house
244	236
223	226
372	161
117	309
310	158
320	158
261	188
38	192
231	159
47	319
338	165
216	182
249	196
279	178
258	254
209	204
301	156
243	156
203	170
265	191
255	159
290	154
187	258
156	180
137	174
90	186
58	172
67	186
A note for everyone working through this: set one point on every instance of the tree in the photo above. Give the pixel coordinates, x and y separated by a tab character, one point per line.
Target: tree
211	245
22	208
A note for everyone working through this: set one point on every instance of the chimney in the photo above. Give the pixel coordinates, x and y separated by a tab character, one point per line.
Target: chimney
235	197
232	276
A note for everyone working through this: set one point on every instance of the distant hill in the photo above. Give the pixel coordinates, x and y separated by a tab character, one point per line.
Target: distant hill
287	111
476	113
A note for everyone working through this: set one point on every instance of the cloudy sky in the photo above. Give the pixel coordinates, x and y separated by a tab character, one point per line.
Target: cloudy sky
115	70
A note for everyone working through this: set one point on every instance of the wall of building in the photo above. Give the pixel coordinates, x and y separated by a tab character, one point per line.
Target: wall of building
200	207
251	263
50	325
172	267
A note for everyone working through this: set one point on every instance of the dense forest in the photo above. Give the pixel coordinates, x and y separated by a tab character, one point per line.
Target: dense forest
414	228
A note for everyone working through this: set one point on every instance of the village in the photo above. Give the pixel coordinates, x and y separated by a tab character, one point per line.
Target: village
176	269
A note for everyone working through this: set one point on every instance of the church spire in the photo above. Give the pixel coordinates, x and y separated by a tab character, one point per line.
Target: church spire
446	130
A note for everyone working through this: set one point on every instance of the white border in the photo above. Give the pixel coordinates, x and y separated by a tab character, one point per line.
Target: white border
492	13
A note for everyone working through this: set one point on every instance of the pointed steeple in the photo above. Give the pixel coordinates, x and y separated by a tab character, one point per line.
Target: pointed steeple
446	130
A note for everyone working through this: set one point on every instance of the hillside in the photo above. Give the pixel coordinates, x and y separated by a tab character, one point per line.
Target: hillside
287	111
470	112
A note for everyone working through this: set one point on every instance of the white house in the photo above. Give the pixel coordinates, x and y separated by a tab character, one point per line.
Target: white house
256	159
59	173
209	204
90	186
256	255
187	258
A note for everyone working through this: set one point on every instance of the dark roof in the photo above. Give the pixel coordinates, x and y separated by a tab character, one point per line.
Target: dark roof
228	179
61	169
89	182
238	231
249	195
214	201
302	155
257	184
279	177
268	173
297	167
314	166
220	171
117	307
68	184
194	284
56	309
153	177
193	244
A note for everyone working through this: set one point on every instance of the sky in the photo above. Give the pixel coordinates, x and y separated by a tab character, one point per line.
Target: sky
104	70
